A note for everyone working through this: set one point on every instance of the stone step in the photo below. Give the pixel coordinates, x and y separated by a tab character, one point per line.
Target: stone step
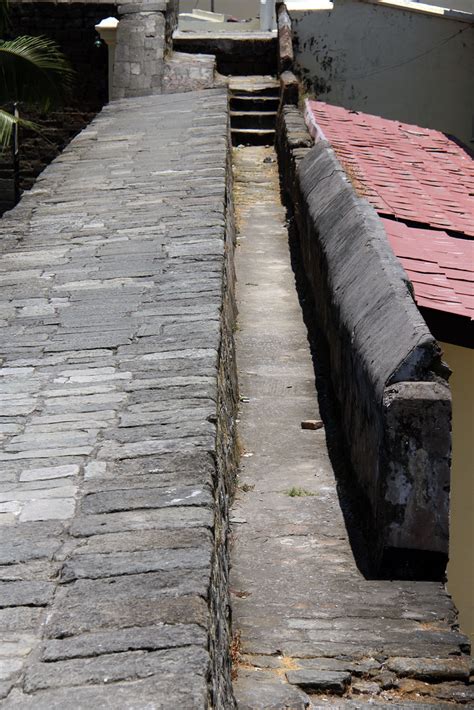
254	91
254	85
253	119
252	136
237	53
242	102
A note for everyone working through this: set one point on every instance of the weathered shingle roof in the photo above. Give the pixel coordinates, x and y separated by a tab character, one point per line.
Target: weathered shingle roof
440	267
421	182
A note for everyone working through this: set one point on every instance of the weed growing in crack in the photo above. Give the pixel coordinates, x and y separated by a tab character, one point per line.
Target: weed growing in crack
297	492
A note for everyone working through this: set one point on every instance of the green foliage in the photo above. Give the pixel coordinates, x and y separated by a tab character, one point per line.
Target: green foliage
8	122
33	71
297	492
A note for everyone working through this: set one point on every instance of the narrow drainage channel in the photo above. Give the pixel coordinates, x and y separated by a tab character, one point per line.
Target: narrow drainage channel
282	548
307	623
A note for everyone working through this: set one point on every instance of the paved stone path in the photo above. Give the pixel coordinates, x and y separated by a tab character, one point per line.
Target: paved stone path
311	628
111	272
116	448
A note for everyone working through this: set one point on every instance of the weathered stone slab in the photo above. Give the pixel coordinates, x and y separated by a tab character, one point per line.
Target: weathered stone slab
25	593
20	618
188	72
313	681
265	693
149	638
432	668
150	585
116	667
360	703
140	499
104	476
136	562
159	519
76	617
35	541
156	692
144	540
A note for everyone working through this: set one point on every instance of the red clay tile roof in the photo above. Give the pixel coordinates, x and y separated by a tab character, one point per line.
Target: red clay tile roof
441	267
413	175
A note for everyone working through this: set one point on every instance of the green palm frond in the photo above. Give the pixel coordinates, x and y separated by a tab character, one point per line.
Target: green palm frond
34	71
7	123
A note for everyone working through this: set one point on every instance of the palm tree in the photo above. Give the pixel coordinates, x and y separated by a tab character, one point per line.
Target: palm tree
33	72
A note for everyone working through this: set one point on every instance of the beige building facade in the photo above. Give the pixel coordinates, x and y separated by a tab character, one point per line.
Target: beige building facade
461	564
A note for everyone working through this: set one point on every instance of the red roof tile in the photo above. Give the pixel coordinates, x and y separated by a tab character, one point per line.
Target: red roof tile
442	279
411	174
415	174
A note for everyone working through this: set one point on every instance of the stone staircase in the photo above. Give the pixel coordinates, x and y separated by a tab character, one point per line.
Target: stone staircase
253	109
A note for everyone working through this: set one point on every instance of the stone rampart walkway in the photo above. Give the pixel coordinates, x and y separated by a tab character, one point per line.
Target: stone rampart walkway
116	432
312	630
111	272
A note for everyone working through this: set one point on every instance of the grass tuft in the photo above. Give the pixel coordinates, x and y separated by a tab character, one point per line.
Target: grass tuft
297	492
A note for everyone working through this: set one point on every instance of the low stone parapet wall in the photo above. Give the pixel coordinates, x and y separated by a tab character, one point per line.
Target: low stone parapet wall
386	369
238	53
286	55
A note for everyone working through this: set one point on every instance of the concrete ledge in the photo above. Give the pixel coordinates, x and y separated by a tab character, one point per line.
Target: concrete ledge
188	72
286	55
289	89
377	339
142	6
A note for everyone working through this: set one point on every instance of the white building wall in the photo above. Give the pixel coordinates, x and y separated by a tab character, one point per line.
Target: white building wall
397	63
464	5
243	9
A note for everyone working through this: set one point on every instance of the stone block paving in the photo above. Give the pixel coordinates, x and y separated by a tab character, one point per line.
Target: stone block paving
111	274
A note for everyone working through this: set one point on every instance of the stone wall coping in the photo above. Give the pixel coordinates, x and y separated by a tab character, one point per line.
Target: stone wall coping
386	368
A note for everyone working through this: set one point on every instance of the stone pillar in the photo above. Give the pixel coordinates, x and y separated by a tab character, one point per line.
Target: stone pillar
140	50
172	13
415	478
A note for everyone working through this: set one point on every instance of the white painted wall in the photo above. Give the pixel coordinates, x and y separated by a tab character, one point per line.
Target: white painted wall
243	9
397	63
464	5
